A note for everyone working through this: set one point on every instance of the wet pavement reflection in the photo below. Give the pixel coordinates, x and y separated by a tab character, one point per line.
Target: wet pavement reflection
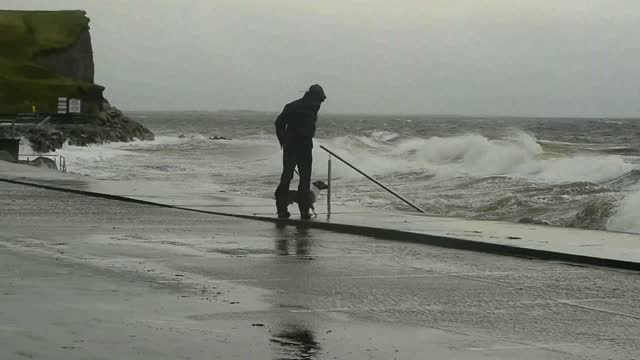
297	237
293	336
294	342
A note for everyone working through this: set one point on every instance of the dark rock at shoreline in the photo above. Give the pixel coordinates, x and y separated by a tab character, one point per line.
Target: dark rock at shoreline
107	126
218	138
44	140
42	162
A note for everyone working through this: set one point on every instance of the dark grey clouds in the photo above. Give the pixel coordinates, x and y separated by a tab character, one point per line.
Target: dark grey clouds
511	57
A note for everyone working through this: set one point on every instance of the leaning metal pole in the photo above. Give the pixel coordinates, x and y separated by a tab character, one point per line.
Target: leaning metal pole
373	180
329	188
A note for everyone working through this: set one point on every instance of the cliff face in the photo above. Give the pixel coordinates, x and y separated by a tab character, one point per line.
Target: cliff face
45	55
74	62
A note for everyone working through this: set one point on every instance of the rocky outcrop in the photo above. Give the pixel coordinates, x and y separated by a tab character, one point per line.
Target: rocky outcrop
74	62
41	162
107	126
45	139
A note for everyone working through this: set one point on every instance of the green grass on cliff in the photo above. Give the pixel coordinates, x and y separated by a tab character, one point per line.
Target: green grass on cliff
24	34
24	84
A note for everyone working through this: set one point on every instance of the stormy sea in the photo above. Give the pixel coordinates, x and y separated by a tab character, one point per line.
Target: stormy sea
582	173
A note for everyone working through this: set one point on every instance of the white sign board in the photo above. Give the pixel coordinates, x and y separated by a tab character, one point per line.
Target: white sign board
62	105
75	106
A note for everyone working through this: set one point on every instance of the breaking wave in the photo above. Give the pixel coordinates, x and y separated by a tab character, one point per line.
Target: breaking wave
511	178
625	217
474	155
516	177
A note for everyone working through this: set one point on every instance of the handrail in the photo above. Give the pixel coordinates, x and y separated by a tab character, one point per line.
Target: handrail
373	180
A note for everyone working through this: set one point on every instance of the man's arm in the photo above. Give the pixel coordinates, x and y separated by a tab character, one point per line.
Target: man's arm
281	125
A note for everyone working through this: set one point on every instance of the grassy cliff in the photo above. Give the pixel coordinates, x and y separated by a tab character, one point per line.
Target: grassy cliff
26	35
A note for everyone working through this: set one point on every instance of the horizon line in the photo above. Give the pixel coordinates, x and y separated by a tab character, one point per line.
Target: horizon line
590	117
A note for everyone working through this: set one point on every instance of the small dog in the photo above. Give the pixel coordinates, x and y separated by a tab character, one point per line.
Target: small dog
316	187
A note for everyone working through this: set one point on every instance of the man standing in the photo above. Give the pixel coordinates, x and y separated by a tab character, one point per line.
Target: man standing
295	128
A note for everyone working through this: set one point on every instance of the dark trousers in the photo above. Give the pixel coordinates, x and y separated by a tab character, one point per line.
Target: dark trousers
298	154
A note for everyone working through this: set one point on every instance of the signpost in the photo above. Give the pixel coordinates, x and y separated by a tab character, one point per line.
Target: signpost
75	106
62	105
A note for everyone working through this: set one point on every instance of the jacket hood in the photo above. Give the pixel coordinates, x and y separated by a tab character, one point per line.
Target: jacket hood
315	92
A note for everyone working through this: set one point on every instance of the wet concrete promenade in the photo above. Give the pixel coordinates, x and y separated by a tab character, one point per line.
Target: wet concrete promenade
90	278
600	248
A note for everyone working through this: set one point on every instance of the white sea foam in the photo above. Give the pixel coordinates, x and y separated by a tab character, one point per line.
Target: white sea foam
160	142
115	158
382	153
382	135
476	156
101	161
626	218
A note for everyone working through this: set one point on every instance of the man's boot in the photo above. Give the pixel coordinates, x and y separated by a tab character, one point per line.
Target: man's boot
281	204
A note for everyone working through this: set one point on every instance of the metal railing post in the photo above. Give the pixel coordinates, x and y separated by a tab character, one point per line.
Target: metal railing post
329	188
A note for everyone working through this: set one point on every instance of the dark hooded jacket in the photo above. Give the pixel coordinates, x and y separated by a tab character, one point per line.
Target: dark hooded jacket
297	122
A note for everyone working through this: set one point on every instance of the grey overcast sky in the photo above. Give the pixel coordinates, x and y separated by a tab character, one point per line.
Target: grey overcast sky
504	57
